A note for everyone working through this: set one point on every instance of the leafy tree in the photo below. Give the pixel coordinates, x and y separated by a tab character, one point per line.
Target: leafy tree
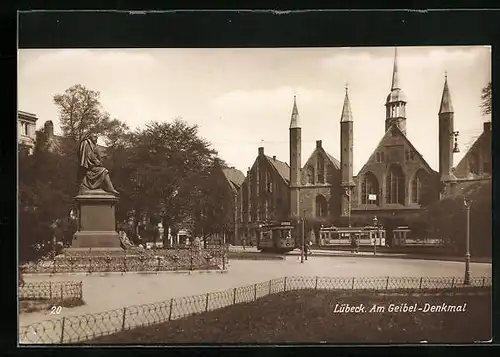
216	203
45	194
161	172
446	219
80	111
486	100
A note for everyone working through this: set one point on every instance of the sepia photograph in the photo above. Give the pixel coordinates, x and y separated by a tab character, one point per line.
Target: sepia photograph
320	195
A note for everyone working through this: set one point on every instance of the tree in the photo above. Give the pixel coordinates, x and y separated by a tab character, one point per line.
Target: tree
80	111
45	194
486	100
446	219
215	214
161	172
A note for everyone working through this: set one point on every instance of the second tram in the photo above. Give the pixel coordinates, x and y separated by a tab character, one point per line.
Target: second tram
365	236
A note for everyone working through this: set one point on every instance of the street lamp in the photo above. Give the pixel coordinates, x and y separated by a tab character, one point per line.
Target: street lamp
375	224
467	204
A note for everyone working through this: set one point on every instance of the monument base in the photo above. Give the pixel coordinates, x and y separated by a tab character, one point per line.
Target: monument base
97	222
96	239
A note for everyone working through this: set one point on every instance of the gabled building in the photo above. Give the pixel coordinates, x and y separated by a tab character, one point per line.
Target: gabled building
476	163
264	193
396	181
26	131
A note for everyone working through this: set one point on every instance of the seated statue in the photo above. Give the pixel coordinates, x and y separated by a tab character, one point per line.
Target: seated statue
92	174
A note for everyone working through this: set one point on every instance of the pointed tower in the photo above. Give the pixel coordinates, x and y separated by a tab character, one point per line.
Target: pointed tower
295	160
395	105
446	129
346	156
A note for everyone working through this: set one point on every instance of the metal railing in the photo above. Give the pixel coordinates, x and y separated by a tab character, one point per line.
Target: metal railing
57	290
78	329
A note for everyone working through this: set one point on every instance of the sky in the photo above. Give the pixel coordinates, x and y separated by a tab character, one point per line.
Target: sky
242	98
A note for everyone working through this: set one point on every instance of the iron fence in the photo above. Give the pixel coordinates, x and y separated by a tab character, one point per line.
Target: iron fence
78	329
59	290
212	257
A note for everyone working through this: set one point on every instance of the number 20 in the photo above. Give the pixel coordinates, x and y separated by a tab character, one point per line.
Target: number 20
55	310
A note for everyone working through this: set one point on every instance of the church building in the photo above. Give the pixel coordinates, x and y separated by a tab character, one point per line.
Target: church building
396	181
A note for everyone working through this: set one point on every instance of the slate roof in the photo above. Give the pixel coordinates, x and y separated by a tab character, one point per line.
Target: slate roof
234	176
334	161
281	167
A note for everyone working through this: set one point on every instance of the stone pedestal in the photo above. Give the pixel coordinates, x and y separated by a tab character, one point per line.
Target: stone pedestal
96	220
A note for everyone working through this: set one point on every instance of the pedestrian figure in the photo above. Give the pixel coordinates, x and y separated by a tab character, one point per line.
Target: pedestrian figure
354	244
309	247
243	242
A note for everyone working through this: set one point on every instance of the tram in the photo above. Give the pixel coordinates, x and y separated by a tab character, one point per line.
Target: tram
276	238
341	236
402	237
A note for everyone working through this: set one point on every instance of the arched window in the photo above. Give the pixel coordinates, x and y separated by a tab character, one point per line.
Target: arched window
321	168
310	174
419	186
321	206
474	163
395	185
369	186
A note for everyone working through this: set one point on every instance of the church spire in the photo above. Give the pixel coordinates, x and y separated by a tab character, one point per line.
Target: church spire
294	122
346	109
446	106
395	80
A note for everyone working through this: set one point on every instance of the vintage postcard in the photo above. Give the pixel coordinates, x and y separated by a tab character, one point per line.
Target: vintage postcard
255	195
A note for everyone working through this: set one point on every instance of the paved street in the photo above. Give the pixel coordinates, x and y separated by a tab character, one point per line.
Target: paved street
337	253
103	293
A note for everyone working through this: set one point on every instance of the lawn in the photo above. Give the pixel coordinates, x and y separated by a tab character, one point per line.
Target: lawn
308	316
34	305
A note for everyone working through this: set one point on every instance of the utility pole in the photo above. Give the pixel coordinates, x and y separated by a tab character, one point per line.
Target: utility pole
467	204
302	237
375	223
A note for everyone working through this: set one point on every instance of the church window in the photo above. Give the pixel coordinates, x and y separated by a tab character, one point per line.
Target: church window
321	168
395	185
382	156
369	186
321	206
474	163
378	157
412	155
310	174
269	182
418	186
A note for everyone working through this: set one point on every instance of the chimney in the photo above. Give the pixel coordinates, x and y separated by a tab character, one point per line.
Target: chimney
48	128
274	157
261	151
487	126
318	143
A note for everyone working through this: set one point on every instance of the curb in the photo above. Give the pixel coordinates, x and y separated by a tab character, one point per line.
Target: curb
384	255
103	274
